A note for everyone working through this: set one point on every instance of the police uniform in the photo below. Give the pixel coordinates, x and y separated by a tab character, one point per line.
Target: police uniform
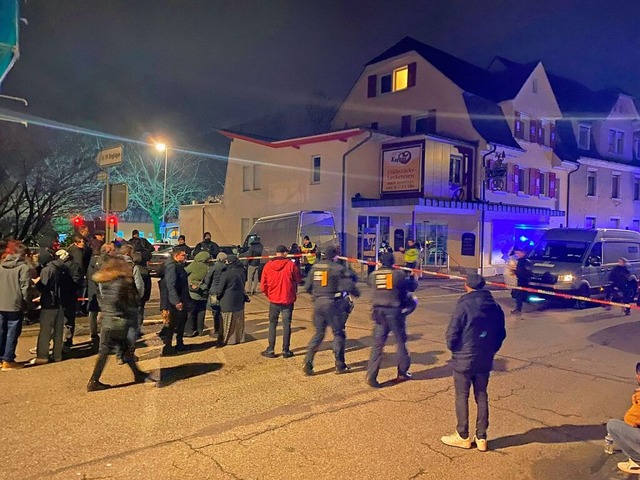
390	289
329	283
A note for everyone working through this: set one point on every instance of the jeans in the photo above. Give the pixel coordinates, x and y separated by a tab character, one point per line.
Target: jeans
252	279
10	330
51	326
274	312
195	318
462	383
328	312
626	437
388	319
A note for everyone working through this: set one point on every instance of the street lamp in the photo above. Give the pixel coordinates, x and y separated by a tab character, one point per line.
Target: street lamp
161	147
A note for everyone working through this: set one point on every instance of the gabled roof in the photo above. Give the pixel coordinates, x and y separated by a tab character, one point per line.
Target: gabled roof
341	135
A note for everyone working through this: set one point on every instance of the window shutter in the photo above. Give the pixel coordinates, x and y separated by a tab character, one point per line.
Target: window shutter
532	181
552	135
552	185
405	127
372	86
533	131
411	77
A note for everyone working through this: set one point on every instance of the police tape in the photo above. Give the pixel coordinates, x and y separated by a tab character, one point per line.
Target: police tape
537	291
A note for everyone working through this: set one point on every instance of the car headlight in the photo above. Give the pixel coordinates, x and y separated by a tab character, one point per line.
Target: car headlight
565	278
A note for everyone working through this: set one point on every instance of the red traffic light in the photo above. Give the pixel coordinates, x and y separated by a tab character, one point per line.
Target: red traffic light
78	220
112	221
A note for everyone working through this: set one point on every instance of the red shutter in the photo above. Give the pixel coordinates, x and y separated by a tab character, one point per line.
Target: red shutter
552	135
372	86
532	181
405	126
552	185
516	179
533	131
411	77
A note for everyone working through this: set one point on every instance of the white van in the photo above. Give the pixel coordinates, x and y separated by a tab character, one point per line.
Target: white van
579	261
289	228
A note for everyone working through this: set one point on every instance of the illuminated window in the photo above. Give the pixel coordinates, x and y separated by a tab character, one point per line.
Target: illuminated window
400	78
315	169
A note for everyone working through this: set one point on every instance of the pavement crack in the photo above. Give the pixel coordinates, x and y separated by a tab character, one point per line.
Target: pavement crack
210	457
421	472
563	415
510	394
451	458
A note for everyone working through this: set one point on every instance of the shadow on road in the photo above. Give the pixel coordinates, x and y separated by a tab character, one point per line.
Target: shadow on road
81	350
622	337
171	375
560	434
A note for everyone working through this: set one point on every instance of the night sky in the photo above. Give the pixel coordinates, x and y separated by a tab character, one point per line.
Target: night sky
184	68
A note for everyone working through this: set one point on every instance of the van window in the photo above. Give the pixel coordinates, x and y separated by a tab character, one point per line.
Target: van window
320	227
276	231
633	252
613	251
559	251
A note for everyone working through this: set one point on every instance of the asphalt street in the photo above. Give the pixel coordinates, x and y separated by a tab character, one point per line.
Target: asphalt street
231	414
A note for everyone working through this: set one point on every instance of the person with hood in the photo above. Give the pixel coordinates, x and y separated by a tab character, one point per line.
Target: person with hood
15	279
207	245
253	265
197	271
279	283
119	315
141	245
47	252
232	298
50	284
390	288
174	300
474	336
211	285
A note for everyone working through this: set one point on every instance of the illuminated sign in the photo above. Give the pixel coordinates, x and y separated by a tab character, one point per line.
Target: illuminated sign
402	167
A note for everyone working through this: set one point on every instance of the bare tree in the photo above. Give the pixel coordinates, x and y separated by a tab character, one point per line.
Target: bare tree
321	110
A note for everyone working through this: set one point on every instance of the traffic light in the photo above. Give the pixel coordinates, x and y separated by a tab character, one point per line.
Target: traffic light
78	221
113	222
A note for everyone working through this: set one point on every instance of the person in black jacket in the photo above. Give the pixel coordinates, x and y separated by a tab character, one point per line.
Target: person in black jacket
75	264
207	244
232	298
253	266
212	286
621	286
174	300
474	336
522	272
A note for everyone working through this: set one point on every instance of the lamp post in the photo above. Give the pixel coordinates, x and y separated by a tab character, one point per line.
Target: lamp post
161	147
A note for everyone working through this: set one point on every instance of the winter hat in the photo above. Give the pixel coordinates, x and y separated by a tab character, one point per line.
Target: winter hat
62	254
281	249
475	281
221	257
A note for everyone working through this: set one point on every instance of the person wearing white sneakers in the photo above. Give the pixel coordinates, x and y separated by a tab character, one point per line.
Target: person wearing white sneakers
474	336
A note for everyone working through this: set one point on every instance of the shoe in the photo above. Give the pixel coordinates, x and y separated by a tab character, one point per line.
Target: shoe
38	361
68	342
629	466
340	369
95	338
143	377
403	377
268	354
481	443
6	366
95	386
287	354
373	383
307	368
180	348
191	334
33	350
455	440
516	312
167	350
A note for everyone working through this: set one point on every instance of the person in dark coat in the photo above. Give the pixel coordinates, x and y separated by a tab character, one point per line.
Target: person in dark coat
174	300
141	245
522	271
182	245
119	315
621	285
106	251
212	286
75	264
253	266
232	298
207	244
474	336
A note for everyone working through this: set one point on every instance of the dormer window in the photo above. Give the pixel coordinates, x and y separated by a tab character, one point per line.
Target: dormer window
400	78
616	141
584	137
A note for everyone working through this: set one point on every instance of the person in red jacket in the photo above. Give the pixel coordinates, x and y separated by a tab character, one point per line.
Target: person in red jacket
279	283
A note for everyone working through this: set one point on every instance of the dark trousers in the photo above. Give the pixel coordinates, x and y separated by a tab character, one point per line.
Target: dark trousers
274	312
69	309
388	319
328	312
195	317
51	326
217	320
114	340
520	297
462	383
10	330
177	322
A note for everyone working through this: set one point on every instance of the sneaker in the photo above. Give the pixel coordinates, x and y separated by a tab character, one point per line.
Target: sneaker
6	366
167	350
95	386
33	350
268	354
307	368
481	443
143	377
340	369
403	377
38	361
629	466
287	354
455	440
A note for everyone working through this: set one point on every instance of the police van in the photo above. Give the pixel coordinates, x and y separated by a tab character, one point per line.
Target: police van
579	261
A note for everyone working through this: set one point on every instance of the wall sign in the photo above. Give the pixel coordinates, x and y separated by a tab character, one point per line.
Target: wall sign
402	167
468	244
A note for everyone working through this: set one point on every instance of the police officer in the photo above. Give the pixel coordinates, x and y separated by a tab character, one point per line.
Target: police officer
330	284
390	290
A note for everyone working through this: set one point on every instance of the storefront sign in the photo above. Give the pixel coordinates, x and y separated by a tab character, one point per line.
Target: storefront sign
402	167
468	244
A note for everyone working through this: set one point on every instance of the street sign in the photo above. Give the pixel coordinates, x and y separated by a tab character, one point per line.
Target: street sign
118	197
110	156
101	176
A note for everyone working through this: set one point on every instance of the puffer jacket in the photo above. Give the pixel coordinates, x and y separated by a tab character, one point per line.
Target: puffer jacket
119	298
476	332
279	281
15	279
197	271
